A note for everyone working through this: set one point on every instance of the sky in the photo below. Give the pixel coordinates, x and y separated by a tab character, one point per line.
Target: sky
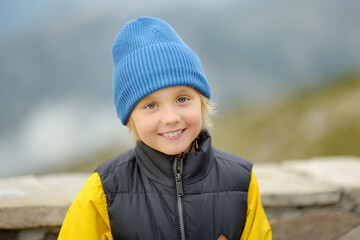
56	66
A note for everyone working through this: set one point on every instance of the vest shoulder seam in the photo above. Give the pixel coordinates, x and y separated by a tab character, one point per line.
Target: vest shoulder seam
245	164
113	169
111	165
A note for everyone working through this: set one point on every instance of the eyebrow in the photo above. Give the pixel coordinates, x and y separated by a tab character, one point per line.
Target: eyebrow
181	90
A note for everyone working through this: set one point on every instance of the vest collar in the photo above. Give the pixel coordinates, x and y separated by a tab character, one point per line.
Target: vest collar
158	166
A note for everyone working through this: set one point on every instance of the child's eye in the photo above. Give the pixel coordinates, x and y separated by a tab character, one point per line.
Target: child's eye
151	106
182	99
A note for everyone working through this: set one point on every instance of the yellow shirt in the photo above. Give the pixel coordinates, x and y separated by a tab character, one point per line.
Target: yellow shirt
88	217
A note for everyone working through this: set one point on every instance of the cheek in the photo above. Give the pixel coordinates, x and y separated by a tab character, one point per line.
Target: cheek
144	127
195	119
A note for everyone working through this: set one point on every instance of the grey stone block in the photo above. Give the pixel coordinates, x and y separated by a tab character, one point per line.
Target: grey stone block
329	225
69	184
338	171
282	187
30	202
352	235
32	234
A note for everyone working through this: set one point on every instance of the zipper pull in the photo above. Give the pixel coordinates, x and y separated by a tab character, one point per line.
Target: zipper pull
196	144
178	165
179	185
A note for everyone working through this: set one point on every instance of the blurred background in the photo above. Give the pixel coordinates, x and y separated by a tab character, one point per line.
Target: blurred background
285	76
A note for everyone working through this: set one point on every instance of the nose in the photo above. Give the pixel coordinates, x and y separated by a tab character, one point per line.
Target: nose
170	115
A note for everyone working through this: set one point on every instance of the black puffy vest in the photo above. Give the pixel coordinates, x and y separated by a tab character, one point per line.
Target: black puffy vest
201	195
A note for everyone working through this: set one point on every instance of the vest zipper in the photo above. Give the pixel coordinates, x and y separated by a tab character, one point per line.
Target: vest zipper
178	168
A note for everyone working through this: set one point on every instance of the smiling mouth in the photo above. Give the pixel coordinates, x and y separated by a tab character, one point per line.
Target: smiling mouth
172	134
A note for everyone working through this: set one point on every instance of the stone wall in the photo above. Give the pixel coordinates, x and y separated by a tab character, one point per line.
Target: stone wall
312	199
307	199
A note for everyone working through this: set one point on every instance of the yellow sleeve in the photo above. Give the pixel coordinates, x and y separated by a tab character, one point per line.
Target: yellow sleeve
87	217
257	226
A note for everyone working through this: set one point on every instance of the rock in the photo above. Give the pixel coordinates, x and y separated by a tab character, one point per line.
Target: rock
351	200
30	202
352	235
8	235
282	187
26	202
68	184
321	226
32	234
338	171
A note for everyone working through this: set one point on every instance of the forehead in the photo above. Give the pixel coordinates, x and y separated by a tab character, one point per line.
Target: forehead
171	91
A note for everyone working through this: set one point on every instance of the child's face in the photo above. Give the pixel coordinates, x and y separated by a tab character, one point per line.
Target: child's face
169	119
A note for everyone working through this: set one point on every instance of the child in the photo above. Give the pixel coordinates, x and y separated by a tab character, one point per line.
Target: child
173	184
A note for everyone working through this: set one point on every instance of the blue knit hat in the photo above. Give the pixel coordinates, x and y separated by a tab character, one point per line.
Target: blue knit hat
149	55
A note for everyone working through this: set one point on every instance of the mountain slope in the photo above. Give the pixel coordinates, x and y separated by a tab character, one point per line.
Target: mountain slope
325	121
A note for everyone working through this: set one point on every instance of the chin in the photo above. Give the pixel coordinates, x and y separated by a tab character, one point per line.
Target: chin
172	151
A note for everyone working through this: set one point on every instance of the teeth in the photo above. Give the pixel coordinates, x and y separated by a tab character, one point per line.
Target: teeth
172	134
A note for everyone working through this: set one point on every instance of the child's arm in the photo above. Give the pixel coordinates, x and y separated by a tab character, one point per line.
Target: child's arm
257	226
88	217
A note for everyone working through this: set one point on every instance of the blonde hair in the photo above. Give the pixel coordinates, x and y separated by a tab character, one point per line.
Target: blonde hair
207	109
